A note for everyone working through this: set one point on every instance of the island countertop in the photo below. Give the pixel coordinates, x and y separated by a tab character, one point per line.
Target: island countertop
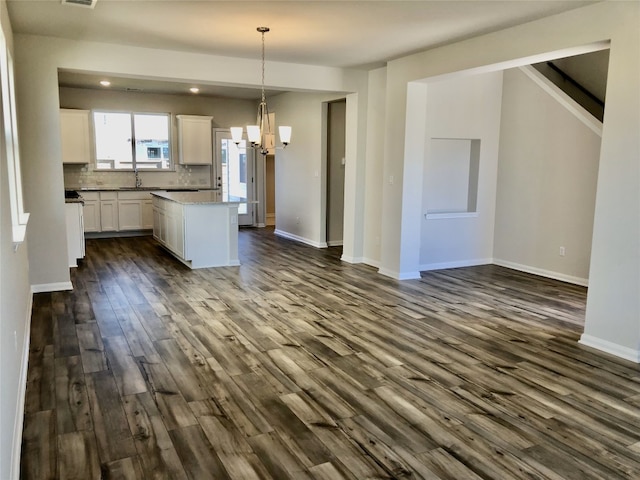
193	198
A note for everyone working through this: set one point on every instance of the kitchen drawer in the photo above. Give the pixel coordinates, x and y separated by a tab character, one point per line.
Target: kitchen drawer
134	195
108	195
95	196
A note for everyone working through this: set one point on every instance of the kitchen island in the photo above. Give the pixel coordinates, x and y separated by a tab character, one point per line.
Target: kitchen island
197	228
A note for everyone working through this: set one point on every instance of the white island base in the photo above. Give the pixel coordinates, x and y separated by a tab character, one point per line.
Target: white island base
197	229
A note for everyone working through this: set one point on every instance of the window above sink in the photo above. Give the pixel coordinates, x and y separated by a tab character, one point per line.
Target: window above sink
132	141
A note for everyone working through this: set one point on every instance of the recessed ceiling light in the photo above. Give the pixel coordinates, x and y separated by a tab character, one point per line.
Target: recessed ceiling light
194	89
105	83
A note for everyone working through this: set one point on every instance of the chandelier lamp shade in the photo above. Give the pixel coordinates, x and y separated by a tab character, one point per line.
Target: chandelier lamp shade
257	134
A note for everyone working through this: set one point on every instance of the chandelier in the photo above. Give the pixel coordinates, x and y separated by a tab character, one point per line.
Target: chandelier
257	134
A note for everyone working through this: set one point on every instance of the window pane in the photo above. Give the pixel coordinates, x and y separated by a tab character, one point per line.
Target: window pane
234	173
113	140
152	141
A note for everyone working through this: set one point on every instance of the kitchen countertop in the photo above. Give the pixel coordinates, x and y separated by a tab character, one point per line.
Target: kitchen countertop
136	189
191	198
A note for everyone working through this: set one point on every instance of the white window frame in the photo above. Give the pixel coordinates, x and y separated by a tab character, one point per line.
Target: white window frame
19	218
134	162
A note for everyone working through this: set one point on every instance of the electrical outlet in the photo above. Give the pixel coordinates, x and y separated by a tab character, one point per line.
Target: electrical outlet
562	251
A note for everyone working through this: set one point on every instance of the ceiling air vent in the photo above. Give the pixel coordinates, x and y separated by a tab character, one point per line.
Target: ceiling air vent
80	3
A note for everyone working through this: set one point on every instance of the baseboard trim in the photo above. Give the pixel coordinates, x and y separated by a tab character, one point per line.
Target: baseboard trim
350	259
51	287
335	243
456	264
472	263
399	275
610	347
18	423
371	262
297	238
543	273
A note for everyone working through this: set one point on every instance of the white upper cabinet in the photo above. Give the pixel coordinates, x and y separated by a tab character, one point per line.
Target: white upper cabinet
194	140
74	127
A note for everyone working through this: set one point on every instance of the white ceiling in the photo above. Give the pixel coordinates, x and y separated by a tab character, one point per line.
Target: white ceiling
338	33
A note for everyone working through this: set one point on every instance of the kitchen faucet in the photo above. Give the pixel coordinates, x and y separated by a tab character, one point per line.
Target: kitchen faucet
138	179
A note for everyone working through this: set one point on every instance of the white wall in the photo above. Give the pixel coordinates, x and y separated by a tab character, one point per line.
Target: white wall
467	107
39	124
374	166
613	304
547	179
300	169
15	311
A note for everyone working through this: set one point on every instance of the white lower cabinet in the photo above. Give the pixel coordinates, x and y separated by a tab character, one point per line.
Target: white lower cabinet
129	215
116	211
135	211
91	211
108	216
75	232
168	226
199	234
159	223
147	214
109	212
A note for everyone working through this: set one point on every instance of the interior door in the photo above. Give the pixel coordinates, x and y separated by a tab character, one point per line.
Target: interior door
235	173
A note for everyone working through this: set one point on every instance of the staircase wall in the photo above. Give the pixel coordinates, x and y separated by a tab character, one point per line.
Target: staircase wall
547	174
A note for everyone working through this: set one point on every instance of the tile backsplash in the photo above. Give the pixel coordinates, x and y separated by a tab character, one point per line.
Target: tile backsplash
79	176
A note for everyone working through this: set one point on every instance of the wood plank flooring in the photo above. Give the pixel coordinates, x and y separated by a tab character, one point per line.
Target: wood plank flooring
298	366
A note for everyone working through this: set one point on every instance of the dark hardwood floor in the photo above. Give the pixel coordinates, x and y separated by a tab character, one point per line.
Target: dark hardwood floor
296	365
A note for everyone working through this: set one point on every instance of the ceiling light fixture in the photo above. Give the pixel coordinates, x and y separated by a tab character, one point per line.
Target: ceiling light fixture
194	89
105	83
258	133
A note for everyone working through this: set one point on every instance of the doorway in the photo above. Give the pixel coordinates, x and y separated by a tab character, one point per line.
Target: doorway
336	133
270	190
234	173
